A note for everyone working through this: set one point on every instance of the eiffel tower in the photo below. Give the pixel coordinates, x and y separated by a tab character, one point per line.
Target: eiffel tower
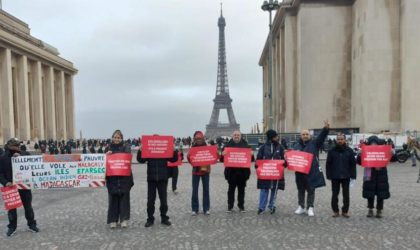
222	101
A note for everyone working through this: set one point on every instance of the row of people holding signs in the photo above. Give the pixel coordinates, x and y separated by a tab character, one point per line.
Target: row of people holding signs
93	170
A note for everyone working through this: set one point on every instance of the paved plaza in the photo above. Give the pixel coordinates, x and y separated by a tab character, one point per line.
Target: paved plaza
76	219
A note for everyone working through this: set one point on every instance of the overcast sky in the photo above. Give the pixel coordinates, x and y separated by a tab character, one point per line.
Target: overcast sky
151	66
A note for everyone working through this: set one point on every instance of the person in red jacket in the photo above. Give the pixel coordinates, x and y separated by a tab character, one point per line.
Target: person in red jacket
203	173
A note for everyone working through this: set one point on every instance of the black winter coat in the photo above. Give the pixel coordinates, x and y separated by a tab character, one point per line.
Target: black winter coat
377	185
157	168
312	147
236	175
6	169
119	184
270	151
341	163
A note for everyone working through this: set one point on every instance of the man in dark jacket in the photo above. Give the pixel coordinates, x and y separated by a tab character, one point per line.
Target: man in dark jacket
236	177
341	167
271	150
157	179
12	149
309	145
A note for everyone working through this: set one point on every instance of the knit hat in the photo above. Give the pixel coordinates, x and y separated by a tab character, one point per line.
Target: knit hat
198	134
14	142
374	139
271	134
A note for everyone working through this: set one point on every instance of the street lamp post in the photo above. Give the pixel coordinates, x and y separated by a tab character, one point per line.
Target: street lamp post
270	6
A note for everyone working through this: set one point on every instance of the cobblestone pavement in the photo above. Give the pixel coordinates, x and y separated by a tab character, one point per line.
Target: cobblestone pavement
76	219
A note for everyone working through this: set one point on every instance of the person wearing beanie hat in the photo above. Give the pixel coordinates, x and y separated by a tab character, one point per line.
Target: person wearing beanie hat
12	149
203	173
375	183
270	134
271	150
303	181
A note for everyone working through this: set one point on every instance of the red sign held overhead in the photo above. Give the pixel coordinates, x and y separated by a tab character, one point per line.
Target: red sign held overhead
118	164
299	161
270	169
376	156
11	197
204	155
157	146
237	157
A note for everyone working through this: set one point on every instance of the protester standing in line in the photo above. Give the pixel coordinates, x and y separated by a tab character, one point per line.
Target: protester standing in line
118	187
341	169
157	179
309	145
12	149
203	173
375	183
271	150
236	177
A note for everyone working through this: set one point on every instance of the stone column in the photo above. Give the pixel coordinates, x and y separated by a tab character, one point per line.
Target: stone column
410	61
50	130
24	129
376	75
6	100
69	92
61	107
38	101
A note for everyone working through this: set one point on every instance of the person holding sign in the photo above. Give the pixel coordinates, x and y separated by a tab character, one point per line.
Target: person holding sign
341	168
157	179
200	172
271	150
375	182
236	176
118	186
12	149
306	183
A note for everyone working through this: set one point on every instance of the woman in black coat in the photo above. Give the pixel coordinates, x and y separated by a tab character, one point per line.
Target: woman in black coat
118	186
375	183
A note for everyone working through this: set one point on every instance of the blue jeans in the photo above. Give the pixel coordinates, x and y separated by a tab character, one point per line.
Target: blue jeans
206	192
264	199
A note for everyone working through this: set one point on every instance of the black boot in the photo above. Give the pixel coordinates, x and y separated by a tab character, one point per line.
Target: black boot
370	213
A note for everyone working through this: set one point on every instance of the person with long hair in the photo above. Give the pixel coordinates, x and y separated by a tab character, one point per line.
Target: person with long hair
118	186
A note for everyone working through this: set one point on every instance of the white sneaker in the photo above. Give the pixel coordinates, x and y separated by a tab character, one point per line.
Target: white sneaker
124	224
113	225
300	210
311	212
193	213
207	213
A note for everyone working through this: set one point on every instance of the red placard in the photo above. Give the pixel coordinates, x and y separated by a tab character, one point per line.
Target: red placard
270	169
177	163
204	155
155	146
299	161
237	157
376	156
11	197
118	164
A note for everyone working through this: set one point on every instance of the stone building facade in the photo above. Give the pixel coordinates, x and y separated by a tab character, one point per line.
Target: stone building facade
353	62
36	86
